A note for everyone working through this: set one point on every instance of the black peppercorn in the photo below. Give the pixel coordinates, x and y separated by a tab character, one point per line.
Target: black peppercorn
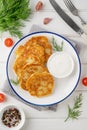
11	117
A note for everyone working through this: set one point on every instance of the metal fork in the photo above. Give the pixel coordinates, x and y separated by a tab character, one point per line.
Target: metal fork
73	10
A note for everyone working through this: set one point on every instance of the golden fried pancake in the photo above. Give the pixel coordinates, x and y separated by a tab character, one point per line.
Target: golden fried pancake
23	60
40	84
20	50
42	41
36	40
30	42
29	66
28	70
38	51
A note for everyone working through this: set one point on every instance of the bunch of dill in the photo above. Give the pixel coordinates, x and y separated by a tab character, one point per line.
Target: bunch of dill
12	15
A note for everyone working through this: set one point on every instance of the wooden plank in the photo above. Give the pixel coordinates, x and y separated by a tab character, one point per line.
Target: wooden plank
56	25
81	5
55	124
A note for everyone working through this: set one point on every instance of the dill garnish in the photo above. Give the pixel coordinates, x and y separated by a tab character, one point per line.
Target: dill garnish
57	47
74	112
15	82
12	15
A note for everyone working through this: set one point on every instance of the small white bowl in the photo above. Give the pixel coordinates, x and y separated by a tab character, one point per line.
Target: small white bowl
21	123
60	64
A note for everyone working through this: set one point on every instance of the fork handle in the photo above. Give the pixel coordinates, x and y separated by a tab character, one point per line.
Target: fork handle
85	28
84	36
82	21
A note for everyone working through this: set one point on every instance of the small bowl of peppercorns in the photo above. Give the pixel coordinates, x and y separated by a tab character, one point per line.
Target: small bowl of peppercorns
12	117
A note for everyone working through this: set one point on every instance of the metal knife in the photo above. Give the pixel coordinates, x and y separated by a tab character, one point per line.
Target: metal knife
68	20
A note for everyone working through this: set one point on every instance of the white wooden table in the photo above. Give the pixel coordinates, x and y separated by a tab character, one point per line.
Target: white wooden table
49	120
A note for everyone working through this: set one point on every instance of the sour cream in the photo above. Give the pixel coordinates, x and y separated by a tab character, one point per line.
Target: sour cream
60	64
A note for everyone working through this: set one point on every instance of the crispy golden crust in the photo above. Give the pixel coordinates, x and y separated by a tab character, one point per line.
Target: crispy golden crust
20	50
30	66
30	42
36	40
40	84
23	60
28	70
42	41
38	51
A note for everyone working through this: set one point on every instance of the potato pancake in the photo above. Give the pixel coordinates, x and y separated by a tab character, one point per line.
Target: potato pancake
29	65
20	50
42	41
28	70
40	84
23	60
30	42
38	51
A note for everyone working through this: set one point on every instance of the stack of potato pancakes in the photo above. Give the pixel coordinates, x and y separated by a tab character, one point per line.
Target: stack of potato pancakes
30	66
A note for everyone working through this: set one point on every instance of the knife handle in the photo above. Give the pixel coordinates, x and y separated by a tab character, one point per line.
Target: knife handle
85	28
84	36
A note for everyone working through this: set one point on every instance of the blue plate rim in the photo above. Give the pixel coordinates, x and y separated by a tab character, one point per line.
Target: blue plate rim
38	32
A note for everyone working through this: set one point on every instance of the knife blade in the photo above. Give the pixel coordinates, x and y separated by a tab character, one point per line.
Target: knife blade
68	20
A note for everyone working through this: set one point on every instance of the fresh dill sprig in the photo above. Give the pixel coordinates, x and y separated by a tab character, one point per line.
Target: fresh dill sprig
74	112
12	15
57	47
15	82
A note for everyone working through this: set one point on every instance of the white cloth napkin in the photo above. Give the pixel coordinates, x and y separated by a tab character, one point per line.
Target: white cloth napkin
9	91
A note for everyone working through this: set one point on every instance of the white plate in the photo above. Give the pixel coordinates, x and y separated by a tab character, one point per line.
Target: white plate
63	87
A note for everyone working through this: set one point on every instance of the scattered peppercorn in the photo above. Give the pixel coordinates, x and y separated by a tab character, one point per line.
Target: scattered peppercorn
11	117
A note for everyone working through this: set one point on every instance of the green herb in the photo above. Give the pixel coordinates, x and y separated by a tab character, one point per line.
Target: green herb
12	15
57	47
74	112
14	82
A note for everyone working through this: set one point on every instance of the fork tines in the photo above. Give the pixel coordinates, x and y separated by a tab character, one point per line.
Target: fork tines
69	5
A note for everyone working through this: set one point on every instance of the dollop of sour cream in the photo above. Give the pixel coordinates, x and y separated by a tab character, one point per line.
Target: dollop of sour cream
60	64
